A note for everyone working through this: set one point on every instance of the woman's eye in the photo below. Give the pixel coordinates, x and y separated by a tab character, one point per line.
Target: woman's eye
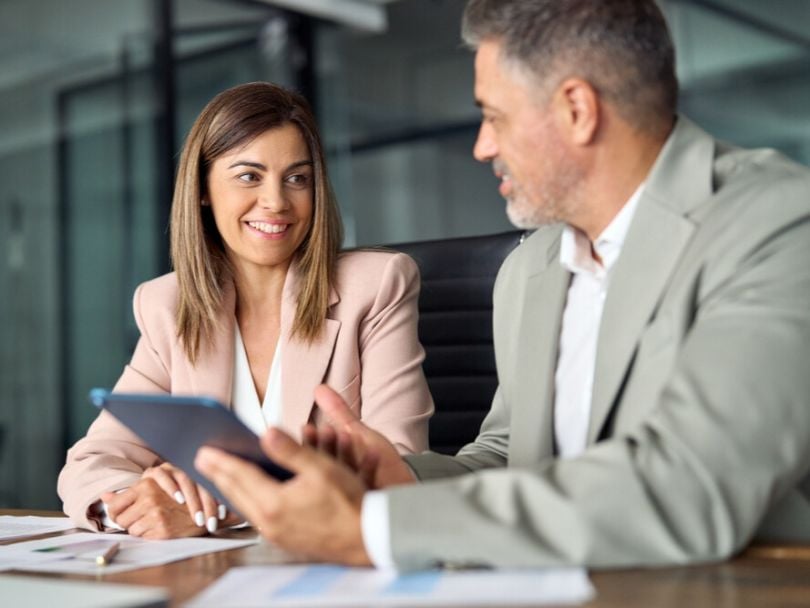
298	179
248	177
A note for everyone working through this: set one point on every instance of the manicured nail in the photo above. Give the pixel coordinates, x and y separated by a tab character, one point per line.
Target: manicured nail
211	524
199	518
221	511
178	496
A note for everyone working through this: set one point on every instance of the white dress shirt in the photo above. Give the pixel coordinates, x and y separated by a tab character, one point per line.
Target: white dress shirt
573	379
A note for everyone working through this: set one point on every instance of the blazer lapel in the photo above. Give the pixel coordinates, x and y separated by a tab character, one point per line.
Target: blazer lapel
304	364
532	429
652	249
680	180
212	375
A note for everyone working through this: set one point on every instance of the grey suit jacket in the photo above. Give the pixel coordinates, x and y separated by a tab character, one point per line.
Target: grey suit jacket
700	426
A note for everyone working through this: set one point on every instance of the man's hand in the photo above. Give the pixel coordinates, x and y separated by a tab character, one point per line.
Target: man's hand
315	514
366	444
145	510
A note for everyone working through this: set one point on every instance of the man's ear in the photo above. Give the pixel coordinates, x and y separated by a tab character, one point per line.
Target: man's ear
577	104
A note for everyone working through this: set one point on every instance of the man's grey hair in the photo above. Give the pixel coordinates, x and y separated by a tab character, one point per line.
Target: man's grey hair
621	47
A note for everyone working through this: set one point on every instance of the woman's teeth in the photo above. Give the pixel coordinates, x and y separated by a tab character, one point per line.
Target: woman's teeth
268	228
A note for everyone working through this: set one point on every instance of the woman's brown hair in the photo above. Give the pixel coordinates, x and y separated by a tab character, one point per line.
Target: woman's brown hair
234	118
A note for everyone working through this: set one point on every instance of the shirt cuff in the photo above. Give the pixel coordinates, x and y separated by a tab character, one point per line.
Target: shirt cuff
376	530
99	509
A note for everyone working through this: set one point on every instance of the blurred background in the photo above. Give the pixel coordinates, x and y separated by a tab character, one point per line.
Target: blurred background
97	95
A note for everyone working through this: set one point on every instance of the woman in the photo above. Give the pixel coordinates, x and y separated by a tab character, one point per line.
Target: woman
261	309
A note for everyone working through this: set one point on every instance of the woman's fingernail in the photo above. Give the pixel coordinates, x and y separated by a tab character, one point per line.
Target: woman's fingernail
222	511
212	524
199	518
178	496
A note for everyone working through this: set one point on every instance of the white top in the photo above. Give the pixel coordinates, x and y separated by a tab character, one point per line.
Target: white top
575	364
573	379
245	399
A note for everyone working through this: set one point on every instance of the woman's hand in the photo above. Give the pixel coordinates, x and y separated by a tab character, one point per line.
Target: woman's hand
166	503
144	509
202	508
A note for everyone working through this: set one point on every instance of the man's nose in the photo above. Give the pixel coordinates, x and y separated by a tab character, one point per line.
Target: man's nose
485	148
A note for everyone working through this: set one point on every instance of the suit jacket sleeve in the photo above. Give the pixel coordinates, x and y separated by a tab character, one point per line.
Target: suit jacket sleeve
110	457
728	437
394	394
489	449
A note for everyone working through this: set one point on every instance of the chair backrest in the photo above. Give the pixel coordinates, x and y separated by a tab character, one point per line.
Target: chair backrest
455	327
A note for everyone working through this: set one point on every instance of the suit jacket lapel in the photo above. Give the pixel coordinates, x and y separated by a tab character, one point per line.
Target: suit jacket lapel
652	249
212	375
680	180
304	364
532	429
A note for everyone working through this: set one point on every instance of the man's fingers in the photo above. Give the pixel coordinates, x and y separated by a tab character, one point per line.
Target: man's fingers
347	453
309	435
237	479
342	417
322	439
327	441
367	469
333	405
283	449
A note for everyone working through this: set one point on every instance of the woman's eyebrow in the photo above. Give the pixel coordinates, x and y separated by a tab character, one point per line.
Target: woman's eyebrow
300	163
247	163
255	165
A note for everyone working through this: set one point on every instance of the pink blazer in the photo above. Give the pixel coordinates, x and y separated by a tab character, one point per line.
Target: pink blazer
368	351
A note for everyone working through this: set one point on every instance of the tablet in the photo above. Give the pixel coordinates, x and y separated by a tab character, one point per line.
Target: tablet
176	427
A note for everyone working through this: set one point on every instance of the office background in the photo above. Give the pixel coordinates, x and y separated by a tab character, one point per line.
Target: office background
97	95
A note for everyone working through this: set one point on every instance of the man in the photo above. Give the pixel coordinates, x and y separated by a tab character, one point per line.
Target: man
651	337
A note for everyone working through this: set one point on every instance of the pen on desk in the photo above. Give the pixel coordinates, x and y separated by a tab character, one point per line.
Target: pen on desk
105	558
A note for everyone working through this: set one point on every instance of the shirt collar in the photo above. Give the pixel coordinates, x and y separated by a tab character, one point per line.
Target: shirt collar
575	248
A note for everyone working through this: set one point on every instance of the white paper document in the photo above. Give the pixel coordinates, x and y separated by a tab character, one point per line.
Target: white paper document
30	525
33	591
18	560
337	586
76	553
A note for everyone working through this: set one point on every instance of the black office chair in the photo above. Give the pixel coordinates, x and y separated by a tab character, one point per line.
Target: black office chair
455	327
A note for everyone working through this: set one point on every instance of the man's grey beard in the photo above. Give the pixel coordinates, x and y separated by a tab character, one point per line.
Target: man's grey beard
550	210
527	217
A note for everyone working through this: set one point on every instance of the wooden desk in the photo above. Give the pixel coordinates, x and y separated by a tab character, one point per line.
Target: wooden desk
763	576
